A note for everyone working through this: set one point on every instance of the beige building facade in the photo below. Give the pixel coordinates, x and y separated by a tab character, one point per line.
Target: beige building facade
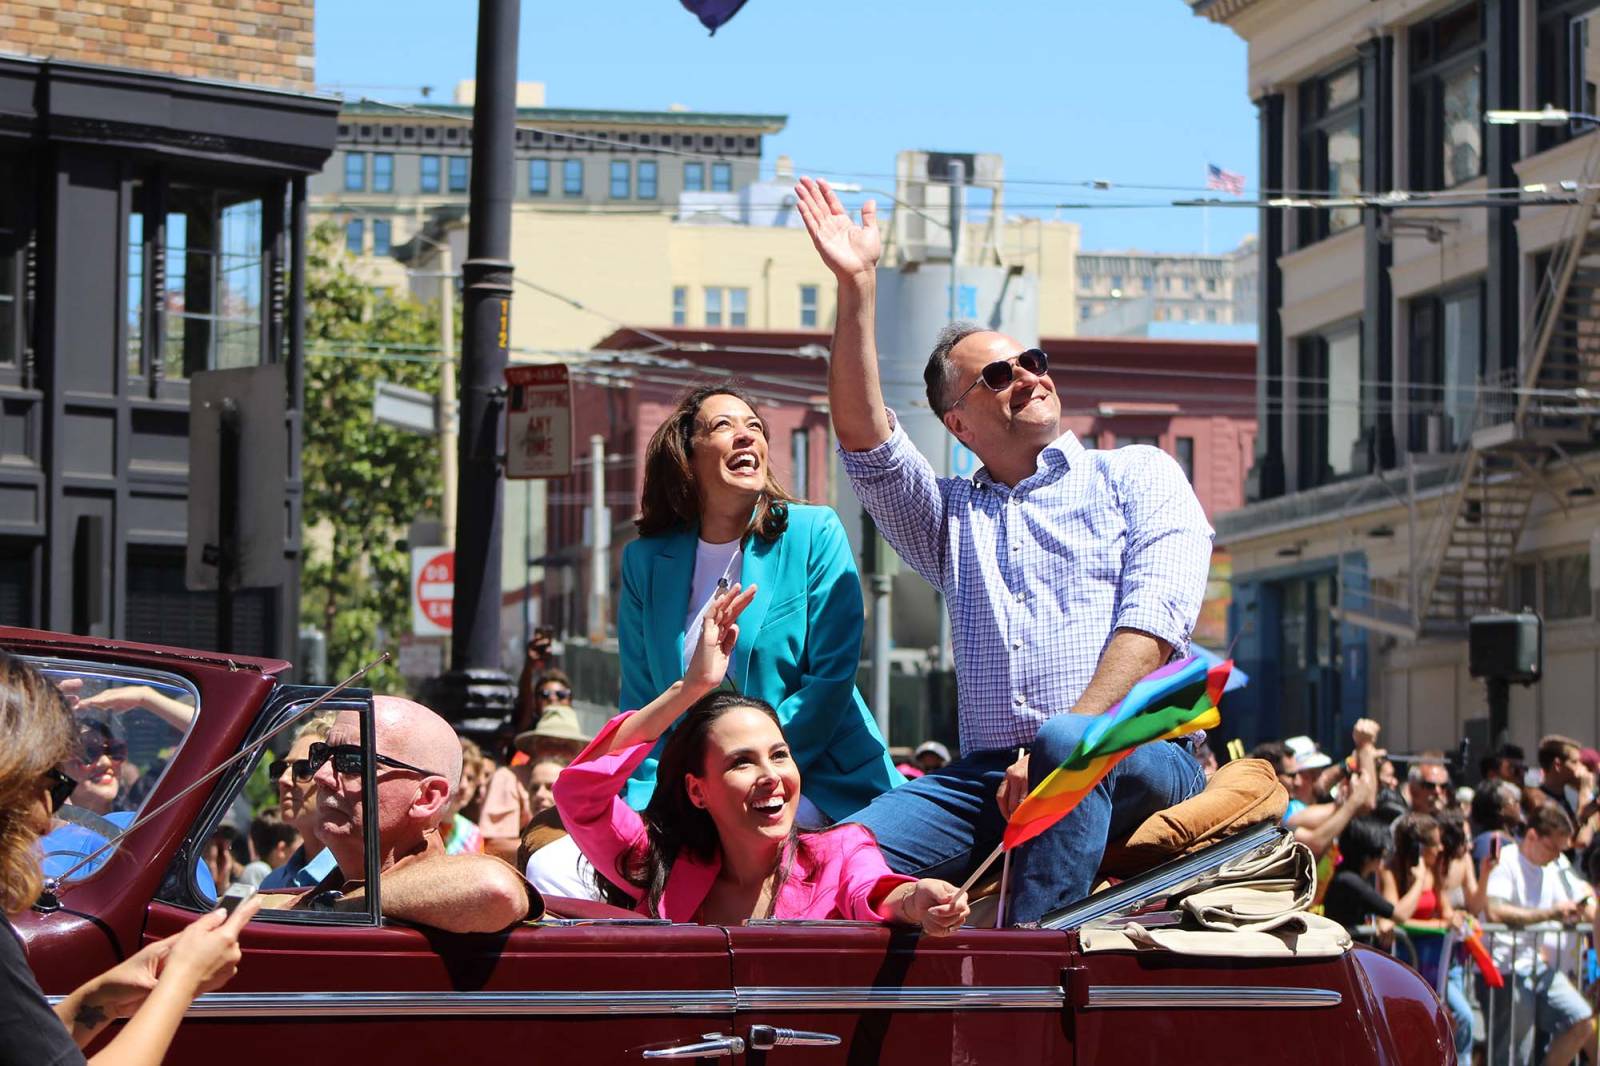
1426	366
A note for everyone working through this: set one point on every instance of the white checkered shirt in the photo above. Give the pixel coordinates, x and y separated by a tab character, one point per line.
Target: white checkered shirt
1037	577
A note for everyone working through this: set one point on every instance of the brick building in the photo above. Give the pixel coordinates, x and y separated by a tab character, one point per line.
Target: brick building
153	161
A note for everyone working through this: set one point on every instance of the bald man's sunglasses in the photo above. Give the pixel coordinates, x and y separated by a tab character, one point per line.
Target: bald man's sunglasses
1002	372
350	761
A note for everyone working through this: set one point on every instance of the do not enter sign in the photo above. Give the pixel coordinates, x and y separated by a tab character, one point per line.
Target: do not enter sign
433	591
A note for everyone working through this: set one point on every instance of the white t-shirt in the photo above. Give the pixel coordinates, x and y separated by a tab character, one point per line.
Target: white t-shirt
1519	882
713	564
560	869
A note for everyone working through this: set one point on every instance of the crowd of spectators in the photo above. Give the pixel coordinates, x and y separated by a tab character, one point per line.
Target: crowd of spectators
1412	864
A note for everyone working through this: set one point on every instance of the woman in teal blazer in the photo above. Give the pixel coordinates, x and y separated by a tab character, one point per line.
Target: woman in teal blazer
799	646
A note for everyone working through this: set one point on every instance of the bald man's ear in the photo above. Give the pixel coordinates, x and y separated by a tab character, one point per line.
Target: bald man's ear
432	799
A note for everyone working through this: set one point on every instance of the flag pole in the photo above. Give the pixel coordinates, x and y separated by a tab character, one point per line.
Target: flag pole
1005	877
993	855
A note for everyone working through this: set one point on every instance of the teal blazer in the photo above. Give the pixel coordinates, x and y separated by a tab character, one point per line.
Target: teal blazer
799	648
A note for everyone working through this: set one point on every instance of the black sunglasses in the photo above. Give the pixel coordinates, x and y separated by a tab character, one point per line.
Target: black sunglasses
95	747
1000	373
303	770
61	787
350	760
556	694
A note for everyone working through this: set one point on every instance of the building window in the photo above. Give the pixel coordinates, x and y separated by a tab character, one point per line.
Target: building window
1183	451
1147	283
621	179
1568	65
721	177
382	229
538	177
647	180
1565	592
694	177
572	177
134	287
680	305
355	172
383	173
214	280
355	236
1330	149
738	307
1211	284
1328	397
1447	99
713	307
1446	364
1125	439
430	173
800	462
808	307
1116	284
459	165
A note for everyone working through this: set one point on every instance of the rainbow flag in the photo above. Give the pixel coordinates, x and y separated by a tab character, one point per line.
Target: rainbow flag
1179	698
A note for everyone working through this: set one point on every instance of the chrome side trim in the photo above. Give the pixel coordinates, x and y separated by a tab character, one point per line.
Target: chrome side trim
394	1004
1192	996
933	997
536	1004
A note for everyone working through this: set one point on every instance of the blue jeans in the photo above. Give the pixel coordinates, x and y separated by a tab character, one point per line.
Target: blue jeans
946	822
1459	1003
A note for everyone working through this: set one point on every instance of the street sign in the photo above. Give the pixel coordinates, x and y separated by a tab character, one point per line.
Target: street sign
433	591
538	422
403	408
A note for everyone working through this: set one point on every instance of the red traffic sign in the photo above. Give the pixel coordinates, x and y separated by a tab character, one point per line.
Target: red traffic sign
433	591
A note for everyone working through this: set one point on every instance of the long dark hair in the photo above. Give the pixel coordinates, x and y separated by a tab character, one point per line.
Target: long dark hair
675	825
670	500
1408	836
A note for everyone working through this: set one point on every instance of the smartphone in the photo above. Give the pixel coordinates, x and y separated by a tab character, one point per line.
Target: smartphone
237	893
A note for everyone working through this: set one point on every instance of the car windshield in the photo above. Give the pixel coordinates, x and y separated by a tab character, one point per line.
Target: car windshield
130	724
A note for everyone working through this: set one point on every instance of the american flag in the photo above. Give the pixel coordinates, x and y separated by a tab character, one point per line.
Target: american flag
1226	180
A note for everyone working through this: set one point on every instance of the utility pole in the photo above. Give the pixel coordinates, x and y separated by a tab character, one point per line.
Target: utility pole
476	692
448	429
881	582
599	542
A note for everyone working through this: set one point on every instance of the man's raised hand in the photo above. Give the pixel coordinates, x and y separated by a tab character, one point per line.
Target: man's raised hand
848	249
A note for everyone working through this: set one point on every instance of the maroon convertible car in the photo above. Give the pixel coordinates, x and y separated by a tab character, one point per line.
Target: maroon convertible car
596	986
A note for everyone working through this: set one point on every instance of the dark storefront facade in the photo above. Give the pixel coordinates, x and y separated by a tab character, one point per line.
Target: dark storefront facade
151	228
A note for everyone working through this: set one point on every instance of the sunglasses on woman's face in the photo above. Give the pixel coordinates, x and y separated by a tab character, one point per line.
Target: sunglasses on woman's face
303	770
95	747
1002	372
61	787
349	760
556	694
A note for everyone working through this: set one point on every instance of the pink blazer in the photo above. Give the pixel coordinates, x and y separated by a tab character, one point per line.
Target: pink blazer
840	873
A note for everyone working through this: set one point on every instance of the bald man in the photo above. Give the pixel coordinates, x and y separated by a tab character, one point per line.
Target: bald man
419	765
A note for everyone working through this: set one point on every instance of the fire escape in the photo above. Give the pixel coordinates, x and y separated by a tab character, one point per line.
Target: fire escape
1525	424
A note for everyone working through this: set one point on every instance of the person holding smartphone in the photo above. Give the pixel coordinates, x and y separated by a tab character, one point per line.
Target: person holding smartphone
153	987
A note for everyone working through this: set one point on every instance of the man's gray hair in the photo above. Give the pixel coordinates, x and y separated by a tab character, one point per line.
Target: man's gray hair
940	374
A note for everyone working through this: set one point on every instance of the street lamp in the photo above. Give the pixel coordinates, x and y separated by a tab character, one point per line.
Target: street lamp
1549	116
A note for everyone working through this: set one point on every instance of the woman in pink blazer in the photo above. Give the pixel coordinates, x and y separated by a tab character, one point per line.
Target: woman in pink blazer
717	843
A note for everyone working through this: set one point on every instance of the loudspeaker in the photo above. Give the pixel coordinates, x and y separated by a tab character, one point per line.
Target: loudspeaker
1506	646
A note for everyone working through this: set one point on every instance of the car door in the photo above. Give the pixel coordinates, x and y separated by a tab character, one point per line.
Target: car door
815	993
599	990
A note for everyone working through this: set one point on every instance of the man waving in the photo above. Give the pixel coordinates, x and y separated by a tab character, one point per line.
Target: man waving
1068	573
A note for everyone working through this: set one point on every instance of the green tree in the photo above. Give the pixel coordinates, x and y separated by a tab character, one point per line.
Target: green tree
364	482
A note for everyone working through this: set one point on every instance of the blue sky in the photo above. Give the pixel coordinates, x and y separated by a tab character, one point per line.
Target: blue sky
1138	92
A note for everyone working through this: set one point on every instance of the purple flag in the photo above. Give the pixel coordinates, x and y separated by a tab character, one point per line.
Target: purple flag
713	13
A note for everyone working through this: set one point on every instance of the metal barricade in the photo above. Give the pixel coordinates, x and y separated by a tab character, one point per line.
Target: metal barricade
1525	957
